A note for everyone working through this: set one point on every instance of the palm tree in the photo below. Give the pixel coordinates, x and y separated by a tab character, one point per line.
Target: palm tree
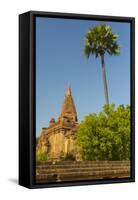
99	41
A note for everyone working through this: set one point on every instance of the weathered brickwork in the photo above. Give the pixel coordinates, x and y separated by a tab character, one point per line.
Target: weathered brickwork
83	170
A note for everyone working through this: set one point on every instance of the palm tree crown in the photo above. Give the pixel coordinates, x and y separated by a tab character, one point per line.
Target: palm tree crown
100	40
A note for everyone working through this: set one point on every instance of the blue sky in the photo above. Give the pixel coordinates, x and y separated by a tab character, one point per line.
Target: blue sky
60	60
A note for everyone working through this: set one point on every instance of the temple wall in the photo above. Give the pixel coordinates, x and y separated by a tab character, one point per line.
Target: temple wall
60	145
57	144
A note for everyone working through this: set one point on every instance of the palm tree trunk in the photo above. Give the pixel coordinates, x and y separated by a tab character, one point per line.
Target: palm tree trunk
104	80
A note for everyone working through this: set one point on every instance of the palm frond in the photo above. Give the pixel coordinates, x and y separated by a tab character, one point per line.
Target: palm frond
100	40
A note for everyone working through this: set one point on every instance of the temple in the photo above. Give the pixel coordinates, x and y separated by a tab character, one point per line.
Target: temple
58	139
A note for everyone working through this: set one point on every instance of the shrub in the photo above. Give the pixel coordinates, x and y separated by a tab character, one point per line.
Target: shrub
40	156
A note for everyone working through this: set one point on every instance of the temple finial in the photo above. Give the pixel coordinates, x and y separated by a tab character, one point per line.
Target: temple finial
68	92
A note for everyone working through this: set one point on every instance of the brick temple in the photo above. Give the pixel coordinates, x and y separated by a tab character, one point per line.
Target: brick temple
58	139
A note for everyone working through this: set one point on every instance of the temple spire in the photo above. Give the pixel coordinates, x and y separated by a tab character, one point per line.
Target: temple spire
68	109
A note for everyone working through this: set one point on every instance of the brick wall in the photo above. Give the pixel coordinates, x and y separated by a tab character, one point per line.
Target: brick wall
85	170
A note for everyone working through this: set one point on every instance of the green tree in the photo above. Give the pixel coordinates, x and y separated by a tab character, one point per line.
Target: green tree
106	136
99	41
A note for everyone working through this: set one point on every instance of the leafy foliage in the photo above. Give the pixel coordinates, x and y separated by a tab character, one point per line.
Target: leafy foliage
100	40
106	136
40	156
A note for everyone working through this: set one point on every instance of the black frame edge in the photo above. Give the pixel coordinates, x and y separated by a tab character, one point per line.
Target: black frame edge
24	97
25	176
133	98
80	15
